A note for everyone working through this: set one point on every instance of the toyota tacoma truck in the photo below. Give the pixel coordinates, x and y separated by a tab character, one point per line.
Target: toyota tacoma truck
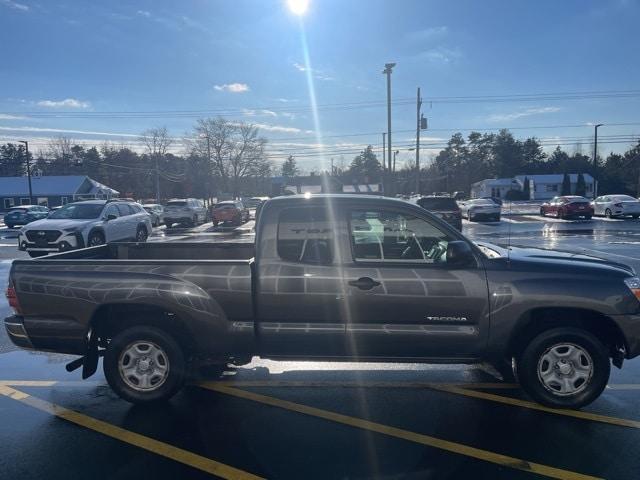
331	277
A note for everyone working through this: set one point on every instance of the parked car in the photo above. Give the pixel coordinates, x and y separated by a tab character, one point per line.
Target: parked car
350	277
460	195
496	200
253	204
567	206
616	206
25	214
480	209
185	211
444	207
156	211
89	223
229	211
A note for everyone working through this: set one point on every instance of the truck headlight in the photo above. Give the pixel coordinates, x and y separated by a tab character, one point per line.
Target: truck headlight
634	285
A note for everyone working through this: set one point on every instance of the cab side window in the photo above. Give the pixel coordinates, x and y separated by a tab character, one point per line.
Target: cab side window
389	236
124	209
305	235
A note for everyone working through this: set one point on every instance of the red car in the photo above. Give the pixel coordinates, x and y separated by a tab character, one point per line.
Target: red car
568	206
230	211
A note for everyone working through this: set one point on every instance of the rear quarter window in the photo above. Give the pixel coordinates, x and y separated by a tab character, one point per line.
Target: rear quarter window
305	235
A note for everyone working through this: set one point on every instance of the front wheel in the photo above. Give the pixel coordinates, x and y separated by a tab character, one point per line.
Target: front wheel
608	214
141	234
564	368
95	239
144	364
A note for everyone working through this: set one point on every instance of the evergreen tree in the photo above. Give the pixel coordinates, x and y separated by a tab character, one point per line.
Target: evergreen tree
581	186
526	189
566	185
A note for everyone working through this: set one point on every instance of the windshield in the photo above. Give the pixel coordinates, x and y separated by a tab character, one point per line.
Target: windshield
224	205
77	211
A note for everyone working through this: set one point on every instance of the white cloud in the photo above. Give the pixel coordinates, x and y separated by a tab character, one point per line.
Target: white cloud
4	116
505	117
427	34
232	87
66	103
318	74
440	54
278	128
15	5
144	13
247	112
60	130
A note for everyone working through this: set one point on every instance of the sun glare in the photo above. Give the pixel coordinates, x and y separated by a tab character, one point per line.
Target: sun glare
298	7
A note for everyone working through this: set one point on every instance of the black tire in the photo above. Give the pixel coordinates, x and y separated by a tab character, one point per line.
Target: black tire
10	226
542	212
587	391
170	384
587	217
635	217
36	254
141	234
608	214
95	239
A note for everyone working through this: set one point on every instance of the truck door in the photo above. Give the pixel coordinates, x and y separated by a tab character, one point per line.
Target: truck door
299	301
404	300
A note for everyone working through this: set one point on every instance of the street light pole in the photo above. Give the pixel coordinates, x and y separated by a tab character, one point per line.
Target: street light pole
388	68
384	153
595	159
394	160
26	147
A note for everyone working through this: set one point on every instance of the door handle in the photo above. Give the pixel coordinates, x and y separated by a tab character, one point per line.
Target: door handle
364	283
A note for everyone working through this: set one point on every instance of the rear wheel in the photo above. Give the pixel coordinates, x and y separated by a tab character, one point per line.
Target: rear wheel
95	239
564	368
543	213
10	225
144	364
587	217
635	216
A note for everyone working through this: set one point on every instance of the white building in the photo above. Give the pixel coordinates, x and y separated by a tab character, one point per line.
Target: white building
494	187
543	187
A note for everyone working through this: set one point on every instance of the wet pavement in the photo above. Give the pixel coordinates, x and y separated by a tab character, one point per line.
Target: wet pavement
318	420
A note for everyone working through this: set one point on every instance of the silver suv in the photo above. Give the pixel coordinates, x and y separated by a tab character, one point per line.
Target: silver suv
89	223
185	211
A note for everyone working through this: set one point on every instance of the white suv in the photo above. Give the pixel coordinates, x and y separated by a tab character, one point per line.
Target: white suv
189	211
89	223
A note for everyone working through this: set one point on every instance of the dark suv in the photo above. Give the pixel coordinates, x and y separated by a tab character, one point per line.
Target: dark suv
25	214
444	207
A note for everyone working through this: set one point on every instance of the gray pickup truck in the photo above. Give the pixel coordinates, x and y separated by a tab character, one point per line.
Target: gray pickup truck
340	277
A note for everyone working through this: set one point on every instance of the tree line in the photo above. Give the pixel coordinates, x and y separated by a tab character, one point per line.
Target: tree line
228	157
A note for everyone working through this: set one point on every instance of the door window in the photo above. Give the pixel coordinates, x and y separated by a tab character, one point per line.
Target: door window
124	209
111	210
305	235
388	236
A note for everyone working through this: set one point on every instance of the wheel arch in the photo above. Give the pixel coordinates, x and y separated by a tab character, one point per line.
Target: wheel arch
110	319
538	320
96	229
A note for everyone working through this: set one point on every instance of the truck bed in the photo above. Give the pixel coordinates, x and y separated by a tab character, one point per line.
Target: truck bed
210	284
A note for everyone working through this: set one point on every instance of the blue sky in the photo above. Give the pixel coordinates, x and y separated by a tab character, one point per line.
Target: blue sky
245	57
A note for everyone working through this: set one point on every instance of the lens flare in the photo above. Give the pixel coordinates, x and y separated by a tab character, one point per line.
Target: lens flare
298	7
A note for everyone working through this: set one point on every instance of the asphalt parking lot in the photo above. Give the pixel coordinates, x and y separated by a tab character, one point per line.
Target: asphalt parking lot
294	420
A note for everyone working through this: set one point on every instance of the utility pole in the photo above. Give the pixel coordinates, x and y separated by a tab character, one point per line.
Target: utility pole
418	126
388	67
26	147
595	159
384	154
394	160
157	180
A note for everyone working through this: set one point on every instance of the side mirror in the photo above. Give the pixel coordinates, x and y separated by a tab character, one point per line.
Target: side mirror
459	253
111	217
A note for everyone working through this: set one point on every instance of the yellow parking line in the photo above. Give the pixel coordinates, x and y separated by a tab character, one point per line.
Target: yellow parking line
594	417
159	448
427	440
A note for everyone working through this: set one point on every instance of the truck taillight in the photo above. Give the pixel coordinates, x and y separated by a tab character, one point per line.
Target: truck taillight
13	299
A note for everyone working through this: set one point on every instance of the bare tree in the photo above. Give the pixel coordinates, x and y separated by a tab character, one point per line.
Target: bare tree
156	141
234	151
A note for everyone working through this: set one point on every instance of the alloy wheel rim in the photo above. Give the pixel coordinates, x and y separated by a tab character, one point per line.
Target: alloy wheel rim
565	369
